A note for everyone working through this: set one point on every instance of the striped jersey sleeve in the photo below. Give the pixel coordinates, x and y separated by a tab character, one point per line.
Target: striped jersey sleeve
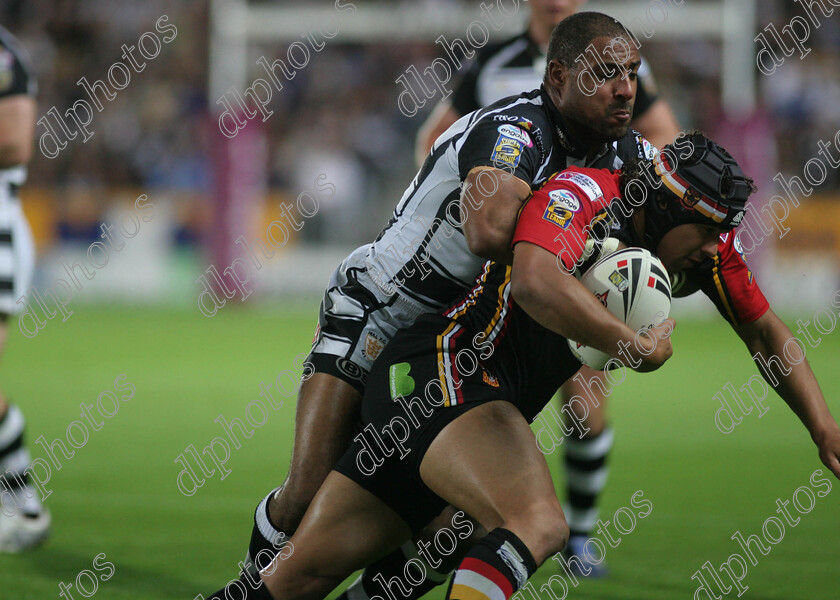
732	286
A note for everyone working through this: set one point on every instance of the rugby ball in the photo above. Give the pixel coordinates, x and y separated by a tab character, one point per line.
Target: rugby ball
634	286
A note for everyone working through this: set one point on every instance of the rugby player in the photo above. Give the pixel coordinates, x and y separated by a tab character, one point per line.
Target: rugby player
24	521
435	244
517	64
510	67
467	442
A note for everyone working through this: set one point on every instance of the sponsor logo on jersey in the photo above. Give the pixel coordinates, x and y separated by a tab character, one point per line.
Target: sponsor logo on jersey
525	123
558	214
519	121
647	149
736	243
566	199
619	281
584	182
507	152
736	220
515	133
373	346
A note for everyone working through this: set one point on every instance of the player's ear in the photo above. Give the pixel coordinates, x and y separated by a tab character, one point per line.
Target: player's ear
556	76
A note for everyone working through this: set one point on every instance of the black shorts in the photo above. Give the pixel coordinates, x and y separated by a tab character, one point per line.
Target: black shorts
424	379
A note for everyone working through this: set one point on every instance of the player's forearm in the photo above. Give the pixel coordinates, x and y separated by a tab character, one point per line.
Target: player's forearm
802	393
796	384
567	308
491	233
490	218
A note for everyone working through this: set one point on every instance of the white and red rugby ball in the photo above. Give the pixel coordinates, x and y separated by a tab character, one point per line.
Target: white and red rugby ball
634	286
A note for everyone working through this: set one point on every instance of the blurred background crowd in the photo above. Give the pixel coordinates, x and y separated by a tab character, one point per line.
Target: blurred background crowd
338	116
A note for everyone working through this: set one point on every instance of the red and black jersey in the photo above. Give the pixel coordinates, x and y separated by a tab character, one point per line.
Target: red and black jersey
560	217
562	214
727	281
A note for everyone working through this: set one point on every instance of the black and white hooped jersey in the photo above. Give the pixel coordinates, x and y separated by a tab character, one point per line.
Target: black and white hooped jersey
422	253
518	64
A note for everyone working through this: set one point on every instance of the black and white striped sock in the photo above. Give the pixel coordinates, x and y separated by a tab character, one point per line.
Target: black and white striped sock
16	494
586	476
265	538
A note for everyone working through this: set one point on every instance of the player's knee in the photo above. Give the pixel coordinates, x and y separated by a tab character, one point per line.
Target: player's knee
542	527
552	525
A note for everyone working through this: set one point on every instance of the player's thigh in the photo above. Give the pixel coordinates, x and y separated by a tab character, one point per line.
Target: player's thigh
586	401
327	410
345	528
487	463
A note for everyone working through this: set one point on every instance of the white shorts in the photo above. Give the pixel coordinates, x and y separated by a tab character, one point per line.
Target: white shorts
357	319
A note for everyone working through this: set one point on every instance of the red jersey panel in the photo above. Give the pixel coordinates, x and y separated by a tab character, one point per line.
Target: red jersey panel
559	215
731	286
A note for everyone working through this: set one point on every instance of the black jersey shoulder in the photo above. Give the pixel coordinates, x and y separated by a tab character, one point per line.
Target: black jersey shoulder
522	58
16	76
521	49
525	111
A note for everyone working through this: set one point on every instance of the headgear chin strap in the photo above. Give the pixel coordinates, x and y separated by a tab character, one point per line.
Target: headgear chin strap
705	186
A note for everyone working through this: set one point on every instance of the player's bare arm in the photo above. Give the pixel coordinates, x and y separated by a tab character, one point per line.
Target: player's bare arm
439	121
799	388
559	302
17	129
491	217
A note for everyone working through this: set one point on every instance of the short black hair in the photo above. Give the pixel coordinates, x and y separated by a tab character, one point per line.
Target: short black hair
572	36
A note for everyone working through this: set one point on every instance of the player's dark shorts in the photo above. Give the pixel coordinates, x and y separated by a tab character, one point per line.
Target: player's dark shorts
416	388
356	321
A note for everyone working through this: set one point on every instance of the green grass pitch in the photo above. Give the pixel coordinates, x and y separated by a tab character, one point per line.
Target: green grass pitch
118	494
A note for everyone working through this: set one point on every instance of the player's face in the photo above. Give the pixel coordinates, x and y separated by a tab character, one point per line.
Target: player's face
686	246
595	96
553	11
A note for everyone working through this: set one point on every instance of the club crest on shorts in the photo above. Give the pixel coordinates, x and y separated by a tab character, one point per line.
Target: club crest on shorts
373	346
